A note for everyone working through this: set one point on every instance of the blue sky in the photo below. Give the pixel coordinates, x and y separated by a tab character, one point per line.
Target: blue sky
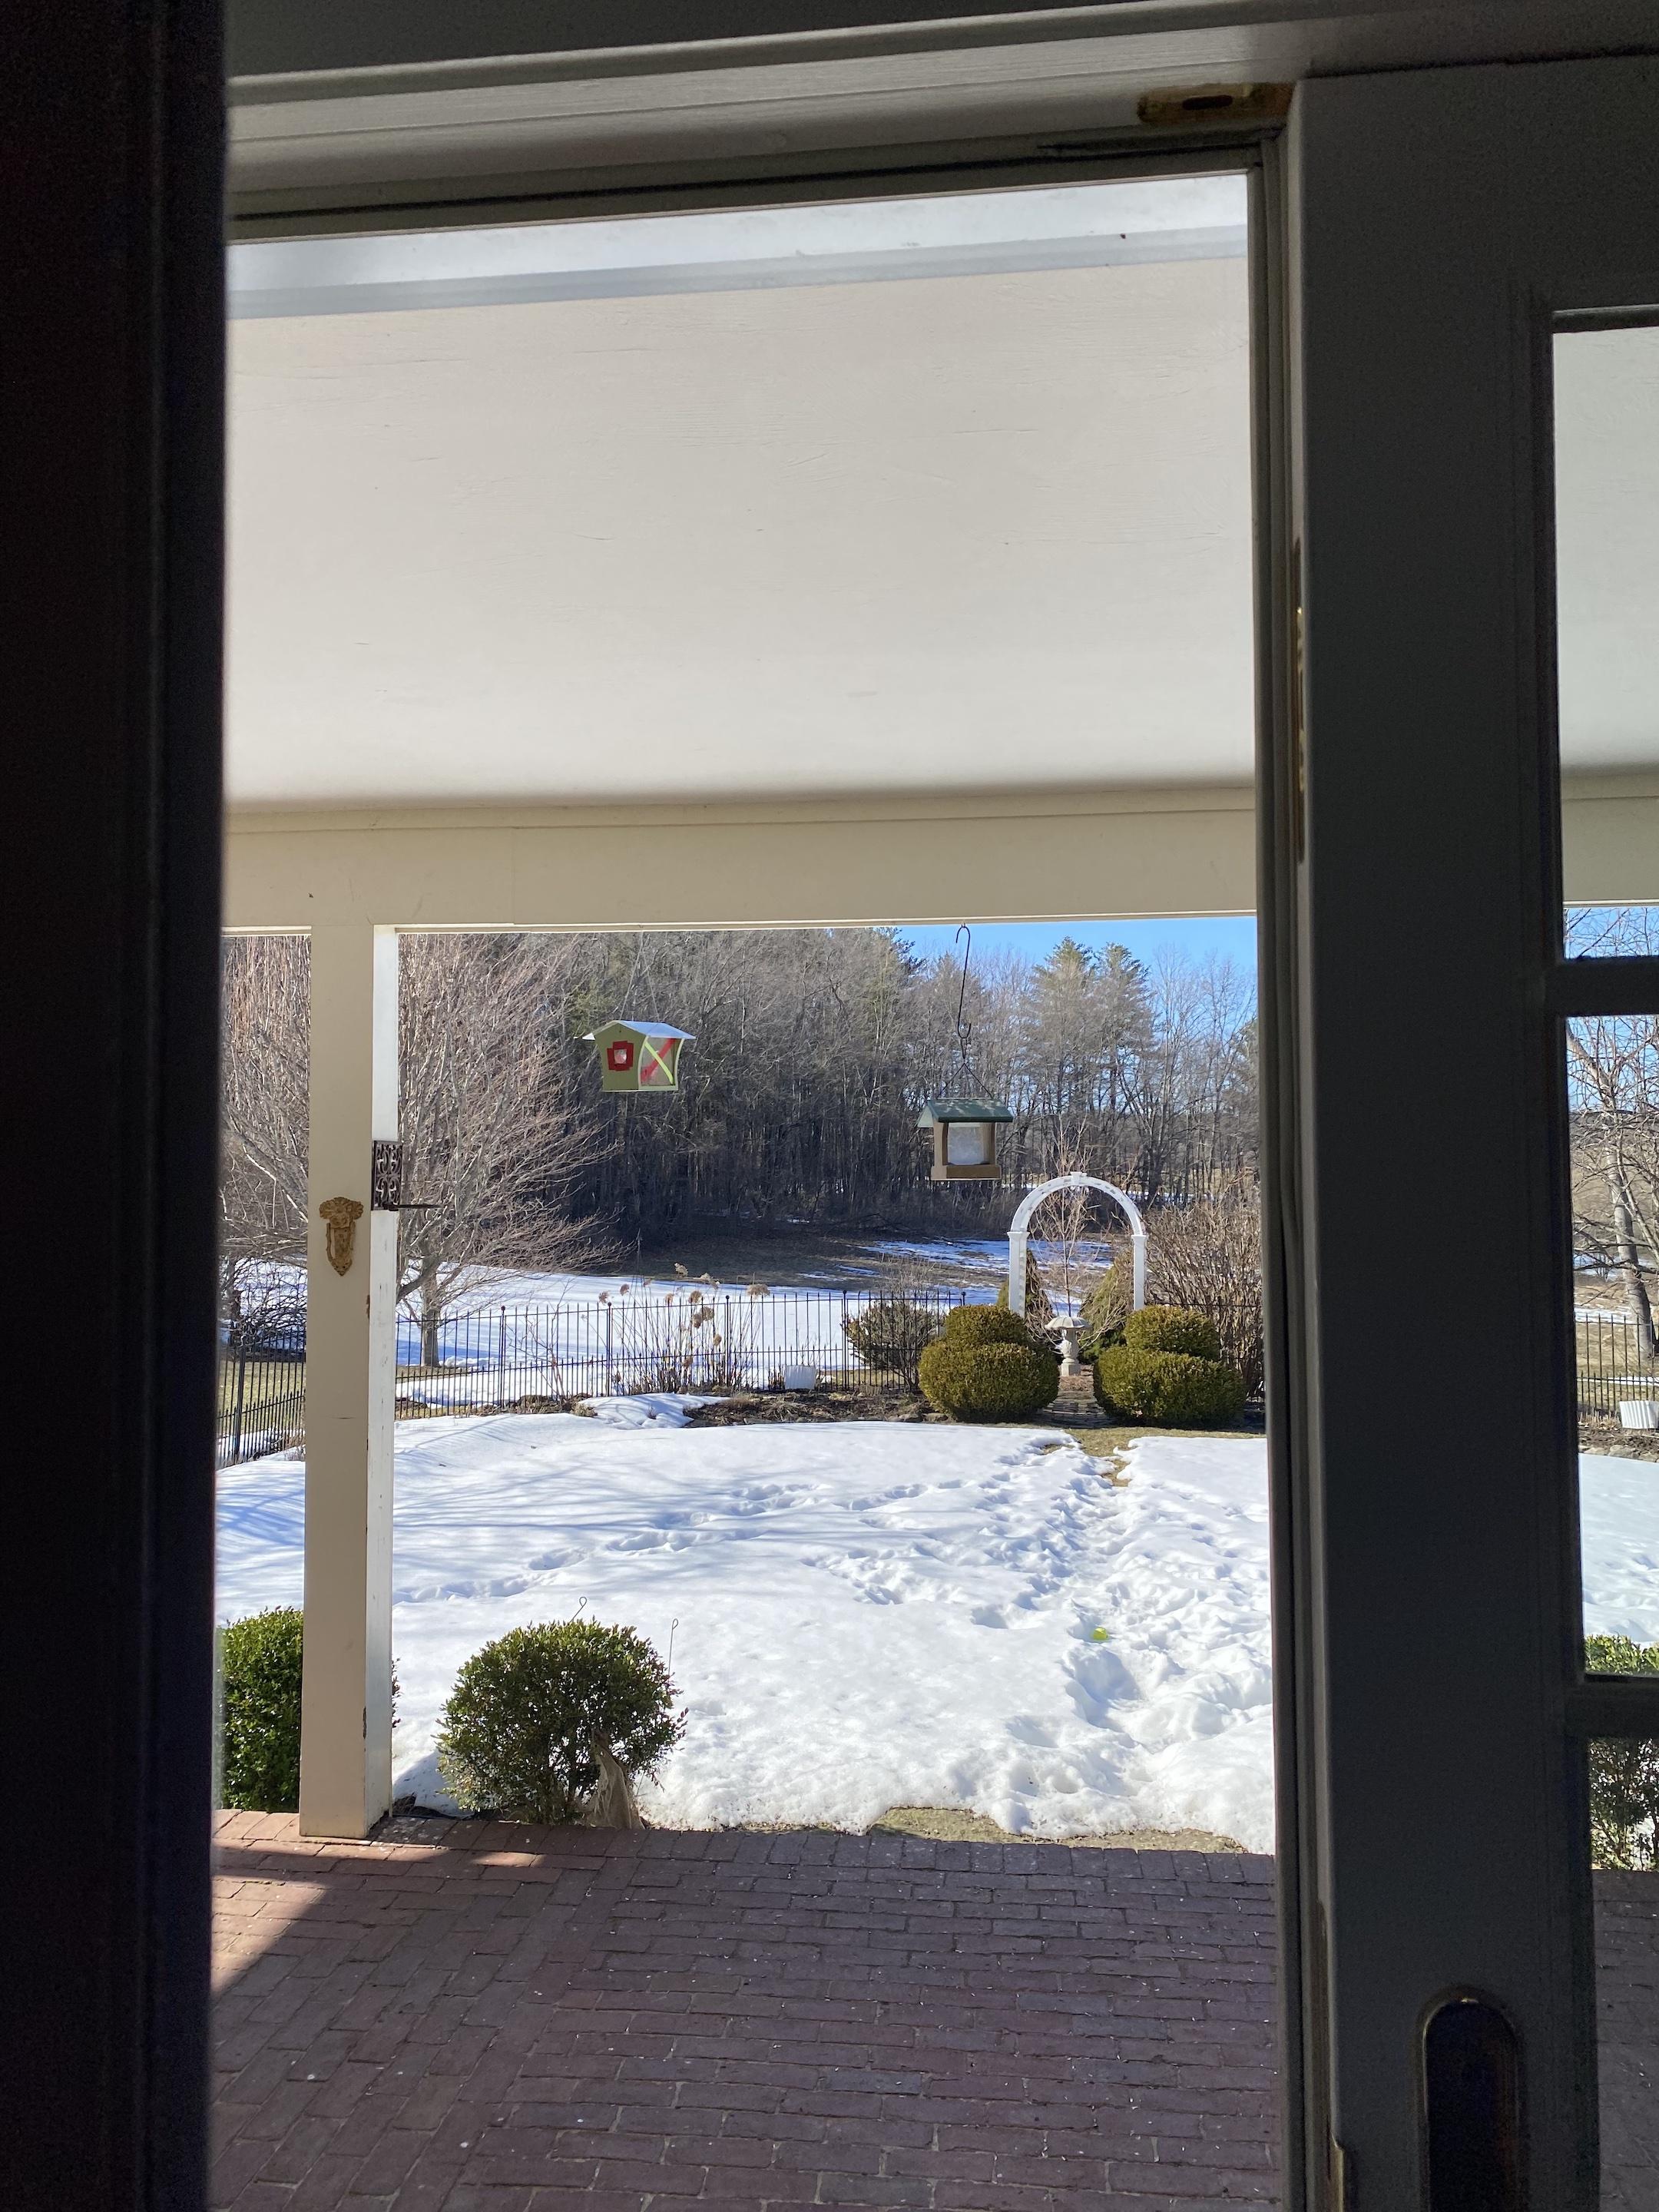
1231	936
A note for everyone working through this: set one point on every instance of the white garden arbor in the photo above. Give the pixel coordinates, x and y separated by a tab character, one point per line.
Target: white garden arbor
1019	1227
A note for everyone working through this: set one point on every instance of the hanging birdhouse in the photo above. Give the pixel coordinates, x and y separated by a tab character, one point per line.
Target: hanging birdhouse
964	1138
639	1055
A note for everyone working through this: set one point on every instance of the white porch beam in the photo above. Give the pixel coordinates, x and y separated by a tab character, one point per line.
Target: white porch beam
1025	856
345	1759
1061	855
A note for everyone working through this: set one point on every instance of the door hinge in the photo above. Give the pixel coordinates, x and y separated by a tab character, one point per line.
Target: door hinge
1182	106
385	1181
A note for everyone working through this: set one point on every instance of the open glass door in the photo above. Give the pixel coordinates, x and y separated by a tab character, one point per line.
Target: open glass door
1467	1213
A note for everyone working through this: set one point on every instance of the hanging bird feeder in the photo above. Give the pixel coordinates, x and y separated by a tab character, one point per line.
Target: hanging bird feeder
964	1138
639	1055
964	1128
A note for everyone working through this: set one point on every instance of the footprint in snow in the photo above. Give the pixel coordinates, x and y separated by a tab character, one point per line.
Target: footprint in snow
1099	1679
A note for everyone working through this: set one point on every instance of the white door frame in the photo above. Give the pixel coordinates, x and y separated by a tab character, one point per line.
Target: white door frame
1429	1624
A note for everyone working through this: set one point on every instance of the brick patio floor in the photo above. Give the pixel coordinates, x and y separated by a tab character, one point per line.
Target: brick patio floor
525	2020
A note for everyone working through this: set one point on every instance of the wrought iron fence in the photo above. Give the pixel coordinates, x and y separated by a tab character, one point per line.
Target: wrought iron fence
262	1395
503	1357
1611	1367
539	1358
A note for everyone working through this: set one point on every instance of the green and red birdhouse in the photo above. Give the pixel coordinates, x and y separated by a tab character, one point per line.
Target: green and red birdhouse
639	1055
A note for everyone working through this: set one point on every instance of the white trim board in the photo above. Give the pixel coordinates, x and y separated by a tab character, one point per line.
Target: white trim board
1015	857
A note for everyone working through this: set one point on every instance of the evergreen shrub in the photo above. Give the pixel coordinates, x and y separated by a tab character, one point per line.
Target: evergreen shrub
967	1328
1171	1389
1172	1328
261	1664
517	1736
1106	1307
997	1380
1624	1771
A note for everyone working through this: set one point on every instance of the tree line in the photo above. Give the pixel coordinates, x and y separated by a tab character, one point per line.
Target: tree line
814	1050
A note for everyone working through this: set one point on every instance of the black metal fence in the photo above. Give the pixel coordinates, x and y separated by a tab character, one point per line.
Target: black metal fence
698	1340
536	1358
1611	1367
261	1396
541	1358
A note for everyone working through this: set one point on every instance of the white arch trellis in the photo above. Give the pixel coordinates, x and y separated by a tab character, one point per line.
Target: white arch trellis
1028	1206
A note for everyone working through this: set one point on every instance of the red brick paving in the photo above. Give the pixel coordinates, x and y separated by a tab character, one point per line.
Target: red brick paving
568	2020
529	2020
1627	1993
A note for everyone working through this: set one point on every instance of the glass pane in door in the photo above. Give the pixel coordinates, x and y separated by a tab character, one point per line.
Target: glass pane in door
1613	1096
1607	503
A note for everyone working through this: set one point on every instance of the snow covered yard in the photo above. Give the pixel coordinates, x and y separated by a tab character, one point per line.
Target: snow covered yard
869	1615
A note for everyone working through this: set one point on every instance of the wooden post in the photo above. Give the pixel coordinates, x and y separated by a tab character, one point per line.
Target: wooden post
351	1355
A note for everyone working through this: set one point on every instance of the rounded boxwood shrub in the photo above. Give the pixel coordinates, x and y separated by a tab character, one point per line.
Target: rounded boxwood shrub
1172	1389
967	1328
518	1734
1172	1328
261	1661
995	1382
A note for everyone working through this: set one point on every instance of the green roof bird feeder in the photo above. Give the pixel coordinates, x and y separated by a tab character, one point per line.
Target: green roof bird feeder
639	1055
964	1138
964	1128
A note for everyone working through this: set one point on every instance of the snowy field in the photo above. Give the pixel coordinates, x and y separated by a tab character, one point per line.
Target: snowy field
869	1614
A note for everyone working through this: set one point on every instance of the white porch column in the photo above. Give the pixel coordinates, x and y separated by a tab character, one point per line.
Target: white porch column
345	1759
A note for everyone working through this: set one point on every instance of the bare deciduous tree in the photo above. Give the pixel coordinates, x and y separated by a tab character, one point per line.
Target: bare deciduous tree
493	1129
1206	1257
1070	1220
1613	1080
265	1018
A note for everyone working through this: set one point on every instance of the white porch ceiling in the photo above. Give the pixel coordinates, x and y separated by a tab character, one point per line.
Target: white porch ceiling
686	509
799	537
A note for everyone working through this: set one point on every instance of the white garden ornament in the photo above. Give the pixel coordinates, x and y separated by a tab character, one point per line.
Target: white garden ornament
1033	1199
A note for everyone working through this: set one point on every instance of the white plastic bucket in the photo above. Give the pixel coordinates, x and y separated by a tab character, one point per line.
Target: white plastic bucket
1638	1412
800	1378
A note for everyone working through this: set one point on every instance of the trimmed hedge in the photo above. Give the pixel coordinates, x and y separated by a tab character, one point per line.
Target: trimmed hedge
1172	1328
967	1328
1171	1389
1624	1771
995	1382
261	1665
517	1736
